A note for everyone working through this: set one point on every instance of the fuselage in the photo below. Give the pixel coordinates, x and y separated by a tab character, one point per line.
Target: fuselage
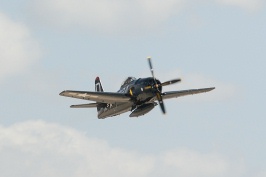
141	90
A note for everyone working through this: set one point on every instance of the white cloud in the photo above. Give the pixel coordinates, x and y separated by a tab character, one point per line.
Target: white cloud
190	163
18	50
36	148
118	16
250	5
41	149
261	173
108	16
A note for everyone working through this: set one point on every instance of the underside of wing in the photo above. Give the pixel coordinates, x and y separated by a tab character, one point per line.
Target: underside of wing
90	105
175	94
103	97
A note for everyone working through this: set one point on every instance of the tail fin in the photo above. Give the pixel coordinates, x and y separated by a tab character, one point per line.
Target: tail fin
98	85
99	88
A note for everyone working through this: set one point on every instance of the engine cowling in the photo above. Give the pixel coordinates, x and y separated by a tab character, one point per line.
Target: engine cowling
142	110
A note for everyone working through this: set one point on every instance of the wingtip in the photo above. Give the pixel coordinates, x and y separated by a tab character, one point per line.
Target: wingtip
62	93
210	89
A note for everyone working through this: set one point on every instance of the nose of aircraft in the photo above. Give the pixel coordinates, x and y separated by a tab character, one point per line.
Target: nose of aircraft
154	86
158	85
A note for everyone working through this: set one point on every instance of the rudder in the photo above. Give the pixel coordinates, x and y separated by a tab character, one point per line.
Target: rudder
99	88
98	85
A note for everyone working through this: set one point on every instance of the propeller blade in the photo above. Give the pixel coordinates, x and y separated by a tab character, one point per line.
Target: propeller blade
160	100
164	84
151	68
156	85
171	82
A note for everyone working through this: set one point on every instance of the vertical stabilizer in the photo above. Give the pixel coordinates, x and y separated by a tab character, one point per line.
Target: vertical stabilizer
98	85
99	88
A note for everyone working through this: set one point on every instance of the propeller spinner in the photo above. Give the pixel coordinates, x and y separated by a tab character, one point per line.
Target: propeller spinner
157	85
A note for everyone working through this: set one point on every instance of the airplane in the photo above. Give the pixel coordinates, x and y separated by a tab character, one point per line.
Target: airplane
139	96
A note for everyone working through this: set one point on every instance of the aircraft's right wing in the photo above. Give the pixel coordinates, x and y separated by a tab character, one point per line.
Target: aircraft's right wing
175	94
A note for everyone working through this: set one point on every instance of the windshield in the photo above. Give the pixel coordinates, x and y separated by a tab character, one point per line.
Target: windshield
128	80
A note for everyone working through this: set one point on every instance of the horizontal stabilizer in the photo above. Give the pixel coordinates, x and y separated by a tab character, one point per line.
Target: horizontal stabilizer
90	105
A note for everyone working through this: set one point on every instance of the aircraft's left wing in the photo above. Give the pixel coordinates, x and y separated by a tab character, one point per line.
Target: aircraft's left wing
103	97
175	94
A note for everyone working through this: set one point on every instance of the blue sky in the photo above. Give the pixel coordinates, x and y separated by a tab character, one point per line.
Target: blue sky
49	46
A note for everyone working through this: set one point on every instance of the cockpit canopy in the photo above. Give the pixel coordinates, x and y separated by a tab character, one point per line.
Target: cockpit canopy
128	80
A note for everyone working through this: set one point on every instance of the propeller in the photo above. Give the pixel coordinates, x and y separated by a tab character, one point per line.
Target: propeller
158	85
170	82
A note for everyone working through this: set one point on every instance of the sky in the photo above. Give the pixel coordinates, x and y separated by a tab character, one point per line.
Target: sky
50	46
